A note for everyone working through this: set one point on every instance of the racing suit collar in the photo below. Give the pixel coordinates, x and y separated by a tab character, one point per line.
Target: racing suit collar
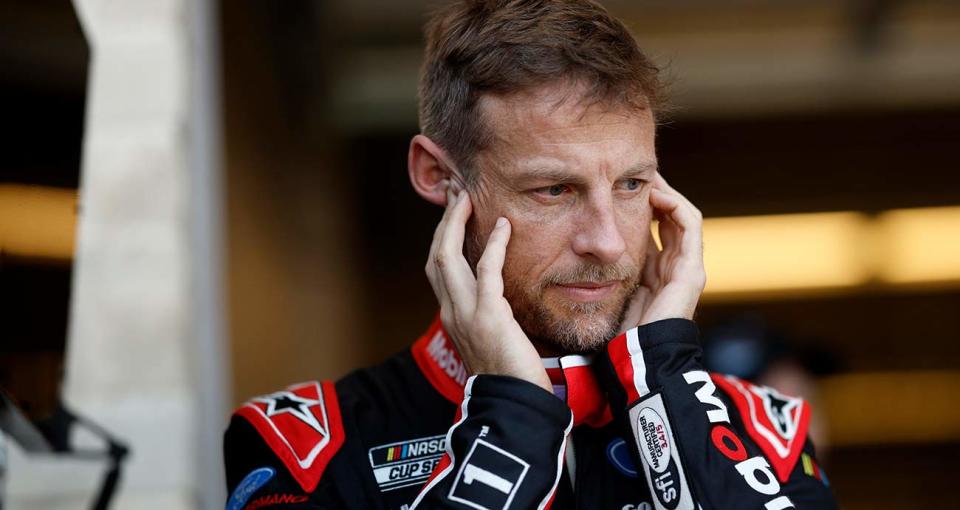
572	376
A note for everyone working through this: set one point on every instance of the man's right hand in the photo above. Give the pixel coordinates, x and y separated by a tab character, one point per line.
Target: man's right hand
473	310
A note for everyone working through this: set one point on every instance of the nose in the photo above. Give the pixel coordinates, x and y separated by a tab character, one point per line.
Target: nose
598	234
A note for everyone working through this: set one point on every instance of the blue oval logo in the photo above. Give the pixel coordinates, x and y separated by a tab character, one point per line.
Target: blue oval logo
249	485
619	455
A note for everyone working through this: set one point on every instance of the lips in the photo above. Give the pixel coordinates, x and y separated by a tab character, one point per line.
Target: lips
588	291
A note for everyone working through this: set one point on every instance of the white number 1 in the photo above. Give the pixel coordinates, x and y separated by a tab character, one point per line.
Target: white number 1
471	473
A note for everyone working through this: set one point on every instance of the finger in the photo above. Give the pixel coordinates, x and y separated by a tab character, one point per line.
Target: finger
447	209
667	228
659	182
686	218
458	279
451	241
650	277
490	267
638	302
649	284
438	232
433	273
686	256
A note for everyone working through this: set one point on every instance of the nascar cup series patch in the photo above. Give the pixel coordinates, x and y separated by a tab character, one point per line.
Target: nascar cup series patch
660	455
406	463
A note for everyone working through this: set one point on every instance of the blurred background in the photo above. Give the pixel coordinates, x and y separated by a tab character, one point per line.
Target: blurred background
201	201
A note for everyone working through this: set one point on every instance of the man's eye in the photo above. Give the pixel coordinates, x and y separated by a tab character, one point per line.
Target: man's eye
556	190
633	184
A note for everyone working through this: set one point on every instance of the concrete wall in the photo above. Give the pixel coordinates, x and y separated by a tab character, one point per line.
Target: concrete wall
135	362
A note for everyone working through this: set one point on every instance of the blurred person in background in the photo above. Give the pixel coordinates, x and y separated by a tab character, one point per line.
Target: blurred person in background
564	354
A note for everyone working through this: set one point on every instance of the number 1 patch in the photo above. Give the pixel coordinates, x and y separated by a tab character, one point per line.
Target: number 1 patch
488	478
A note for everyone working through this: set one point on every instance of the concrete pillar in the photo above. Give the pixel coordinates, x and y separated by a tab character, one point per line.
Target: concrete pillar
143	354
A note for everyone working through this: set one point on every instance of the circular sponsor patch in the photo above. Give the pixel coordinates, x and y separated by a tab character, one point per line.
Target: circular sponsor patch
248	486
654	443
618	453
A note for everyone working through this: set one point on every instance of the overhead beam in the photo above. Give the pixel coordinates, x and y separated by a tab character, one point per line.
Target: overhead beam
749	59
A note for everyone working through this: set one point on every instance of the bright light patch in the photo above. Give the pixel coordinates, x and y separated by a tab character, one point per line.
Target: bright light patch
919	245
37	221
782	252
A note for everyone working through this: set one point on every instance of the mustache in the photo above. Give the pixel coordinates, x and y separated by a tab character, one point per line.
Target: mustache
587	272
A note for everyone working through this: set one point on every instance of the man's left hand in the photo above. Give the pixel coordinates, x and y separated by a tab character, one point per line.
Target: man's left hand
674	277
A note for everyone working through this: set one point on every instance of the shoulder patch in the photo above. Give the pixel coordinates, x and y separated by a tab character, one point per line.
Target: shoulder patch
249	485
302	426
776	422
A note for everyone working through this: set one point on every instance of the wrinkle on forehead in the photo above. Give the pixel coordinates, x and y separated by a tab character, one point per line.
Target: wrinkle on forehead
551	117
590	142
536	129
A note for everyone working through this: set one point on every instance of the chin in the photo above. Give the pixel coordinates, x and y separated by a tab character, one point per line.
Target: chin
576	327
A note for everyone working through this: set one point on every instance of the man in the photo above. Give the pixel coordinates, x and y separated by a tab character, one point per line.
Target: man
564	356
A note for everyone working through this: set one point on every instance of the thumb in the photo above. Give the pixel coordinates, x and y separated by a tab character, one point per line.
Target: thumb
634	313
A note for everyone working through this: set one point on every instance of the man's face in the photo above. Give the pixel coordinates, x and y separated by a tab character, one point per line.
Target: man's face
574	181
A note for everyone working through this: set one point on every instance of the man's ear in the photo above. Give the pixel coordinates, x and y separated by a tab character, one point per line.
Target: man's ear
429	172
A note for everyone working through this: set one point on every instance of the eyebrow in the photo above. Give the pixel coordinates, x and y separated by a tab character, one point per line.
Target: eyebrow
561	175
641	168
546	174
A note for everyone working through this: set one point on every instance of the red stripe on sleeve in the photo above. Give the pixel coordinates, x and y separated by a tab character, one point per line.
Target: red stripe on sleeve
620	357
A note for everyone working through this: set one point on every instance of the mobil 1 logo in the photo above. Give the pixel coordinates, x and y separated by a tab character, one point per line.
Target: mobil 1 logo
660	456
489	477
406	463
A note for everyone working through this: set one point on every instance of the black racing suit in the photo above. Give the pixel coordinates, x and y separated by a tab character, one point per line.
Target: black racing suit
640	426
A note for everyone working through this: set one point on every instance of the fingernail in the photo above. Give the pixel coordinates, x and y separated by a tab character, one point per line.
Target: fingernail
461	194
501	221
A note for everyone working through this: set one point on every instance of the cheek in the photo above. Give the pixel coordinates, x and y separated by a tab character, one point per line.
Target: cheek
533	247
538	216
634	220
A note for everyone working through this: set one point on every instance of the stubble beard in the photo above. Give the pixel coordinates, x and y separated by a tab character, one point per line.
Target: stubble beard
567	327
571	327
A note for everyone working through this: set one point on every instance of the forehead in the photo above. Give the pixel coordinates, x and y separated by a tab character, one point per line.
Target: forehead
555	123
